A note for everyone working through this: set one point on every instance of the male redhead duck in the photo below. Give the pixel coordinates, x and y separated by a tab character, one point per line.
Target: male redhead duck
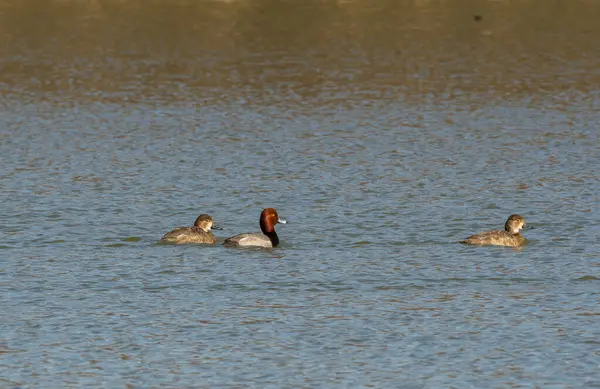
268	237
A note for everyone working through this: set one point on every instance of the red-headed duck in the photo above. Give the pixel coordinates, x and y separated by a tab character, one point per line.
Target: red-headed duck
511	236
199	233
268	237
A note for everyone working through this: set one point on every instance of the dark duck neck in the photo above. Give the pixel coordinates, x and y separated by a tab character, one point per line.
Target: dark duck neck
269	231
273	237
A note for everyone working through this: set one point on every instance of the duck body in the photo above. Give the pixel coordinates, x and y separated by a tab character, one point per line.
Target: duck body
189	235
256	239
496	238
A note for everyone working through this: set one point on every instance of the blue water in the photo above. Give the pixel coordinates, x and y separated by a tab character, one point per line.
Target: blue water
378	182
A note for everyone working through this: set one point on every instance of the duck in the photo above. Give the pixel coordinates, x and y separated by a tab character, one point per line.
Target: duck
510	236
200	232
267	238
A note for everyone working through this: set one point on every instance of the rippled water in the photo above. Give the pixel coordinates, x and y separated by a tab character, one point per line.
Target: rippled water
383	131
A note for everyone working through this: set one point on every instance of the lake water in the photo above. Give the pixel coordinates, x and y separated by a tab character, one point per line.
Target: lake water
383	131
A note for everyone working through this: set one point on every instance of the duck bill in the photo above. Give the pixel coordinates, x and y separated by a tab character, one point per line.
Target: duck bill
214	227
281	221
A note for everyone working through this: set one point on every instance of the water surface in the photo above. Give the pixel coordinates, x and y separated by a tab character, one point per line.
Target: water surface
383	131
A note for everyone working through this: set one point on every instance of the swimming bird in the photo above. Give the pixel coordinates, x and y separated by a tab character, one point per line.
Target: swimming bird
268	237
200	232
511	236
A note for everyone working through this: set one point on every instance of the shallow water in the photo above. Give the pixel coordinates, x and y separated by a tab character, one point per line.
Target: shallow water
382	131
